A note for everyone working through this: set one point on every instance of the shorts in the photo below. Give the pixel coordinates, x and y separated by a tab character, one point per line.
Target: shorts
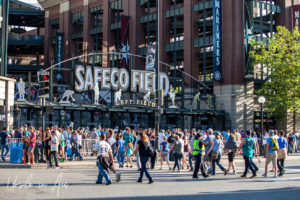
59	147
164	154
25	146
231	156
207	157
66	148
271	157
185	154
30	149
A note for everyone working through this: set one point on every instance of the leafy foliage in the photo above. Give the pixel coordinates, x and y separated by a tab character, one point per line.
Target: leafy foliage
280	59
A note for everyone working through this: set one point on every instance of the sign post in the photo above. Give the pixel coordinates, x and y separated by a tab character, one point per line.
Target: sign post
217	40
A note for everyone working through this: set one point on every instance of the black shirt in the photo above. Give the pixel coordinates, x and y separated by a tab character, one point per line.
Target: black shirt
142	148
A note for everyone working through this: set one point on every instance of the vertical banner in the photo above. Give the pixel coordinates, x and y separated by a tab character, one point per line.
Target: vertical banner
59	54
296	17
124	41
217	40
150	61
59	50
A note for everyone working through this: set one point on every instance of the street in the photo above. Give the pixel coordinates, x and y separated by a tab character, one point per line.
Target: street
71	183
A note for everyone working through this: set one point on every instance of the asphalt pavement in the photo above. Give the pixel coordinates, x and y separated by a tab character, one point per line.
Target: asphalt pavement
79	183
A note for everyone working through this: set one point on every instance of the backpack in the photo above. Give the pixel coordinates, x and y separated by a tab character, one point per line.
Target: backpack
275	145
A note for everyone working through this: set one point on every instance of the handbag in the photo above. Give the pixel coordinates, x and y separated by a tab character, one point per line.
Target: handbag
282	154
214	155
149	151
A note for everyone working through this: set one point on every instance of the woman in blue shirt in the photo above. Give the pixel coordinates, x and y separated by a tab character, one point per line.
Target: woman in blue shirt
216	148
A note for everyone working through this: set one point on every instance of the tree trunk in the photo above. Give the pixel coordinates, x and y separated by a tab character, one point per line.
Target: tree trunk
294	121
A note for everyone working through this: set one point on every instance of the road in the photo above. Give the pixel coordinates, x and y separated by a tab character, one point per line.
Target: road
80	184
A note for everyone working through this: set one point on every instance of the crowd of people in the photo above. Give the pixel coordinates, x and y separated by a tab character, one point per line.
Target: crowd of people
191	149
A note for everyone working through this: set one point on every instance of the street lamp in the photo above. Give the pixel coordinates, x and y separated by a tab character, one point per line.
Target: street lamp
261	101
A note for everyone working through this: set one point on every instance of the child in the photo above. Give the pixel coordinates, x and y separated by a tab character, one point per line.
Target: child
128	153
121	151
164	151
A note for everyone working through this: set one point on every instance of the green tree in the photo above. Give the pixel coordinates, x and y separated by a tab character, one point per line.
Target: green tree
280	58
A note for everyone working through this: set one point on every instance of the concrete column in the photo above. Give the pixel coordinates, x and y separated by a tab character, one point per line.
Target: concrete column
106	33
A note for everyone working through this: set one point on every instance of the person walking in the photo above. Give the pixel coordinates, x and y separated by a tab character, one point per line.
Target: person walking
105	161
216	149
32	143
247	146
271	150
53	149
4	143
164	151
141	147
198	153
176	148
282	152
121	151
231	147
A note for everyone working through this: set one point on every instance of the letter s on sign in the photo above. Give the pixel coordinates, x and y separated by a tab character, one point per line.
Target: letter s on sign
79	84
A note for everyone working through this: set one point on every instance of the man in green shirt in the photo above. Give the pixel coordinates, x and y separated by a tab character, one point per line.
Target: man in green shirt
248	147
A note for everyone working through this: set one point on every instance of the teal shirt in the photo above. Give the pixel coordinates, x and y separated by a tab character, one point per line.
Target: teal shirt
27	133
248	148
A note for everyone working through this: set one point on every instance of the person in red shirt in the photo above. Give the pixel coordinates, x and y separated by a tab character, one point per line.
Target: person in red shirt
32	140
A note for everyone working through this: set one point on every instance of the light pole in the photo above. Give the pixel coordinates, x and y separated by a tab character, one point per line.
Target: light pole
261	101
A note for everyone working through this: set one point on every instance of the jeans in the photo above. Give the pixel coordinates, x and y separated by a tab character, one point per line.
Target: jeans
290	148
138	164
2	150
177	158
253	164
280	164
218	163
102	173
198	165
191	161
144	161
54	155
76	152
248	165
120	158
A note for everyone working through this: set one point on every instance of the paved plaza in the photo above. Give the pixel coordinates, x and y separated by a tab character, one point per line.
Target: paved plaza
78	182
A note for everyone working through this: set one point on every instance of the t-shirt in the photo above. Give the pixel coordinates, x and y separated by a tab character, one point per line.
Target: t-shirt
128	138
54	143
33	139
3	136
102	148
26	134
94	135
18	134
121	144
142	148
269	141
208	139
177	147
248	148
164	147
282	143
112	142
182	145
62	140
226	136
217	145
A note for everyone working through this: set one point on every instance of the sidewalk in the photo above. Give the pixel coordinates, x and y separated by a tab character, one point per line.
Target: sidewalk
90	162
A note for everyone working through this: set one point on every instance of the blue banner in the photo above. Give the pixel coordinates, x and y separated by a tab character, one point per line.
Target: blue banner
59	53
217	40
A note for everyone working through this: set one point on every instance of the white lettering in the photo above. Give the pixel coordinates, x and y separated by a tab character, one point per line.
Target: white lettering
89	81
79	84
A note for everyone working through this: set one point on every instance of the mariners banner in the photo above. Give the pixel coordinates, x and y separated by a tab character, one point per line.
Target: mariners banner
217	40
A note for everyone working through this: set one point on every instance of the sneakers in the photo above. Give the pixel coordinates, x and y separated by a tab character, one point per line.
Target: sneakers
98	182
244	176
205	176
225	172
264	175
234	173
49	167
108	183
56	167
150	182
275	176
118	177
209	171
253	176
139	181
195	177
3	159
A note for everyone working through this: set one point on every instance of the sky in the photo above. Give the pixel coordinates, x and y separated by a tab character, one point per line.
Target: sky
30	1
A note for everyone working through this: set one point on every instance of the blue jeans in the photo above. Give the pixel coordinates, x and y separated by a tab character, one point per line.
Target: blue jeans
253	164
102	173
138	160
2	150
290	148
76	152
191	161
120	158
218	163
177	158
249	165
144	161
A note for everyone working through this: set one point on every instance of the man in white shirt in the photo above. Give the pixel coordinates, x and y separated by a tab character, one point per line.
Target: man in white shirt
182	145
53	149
105	161
161	136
